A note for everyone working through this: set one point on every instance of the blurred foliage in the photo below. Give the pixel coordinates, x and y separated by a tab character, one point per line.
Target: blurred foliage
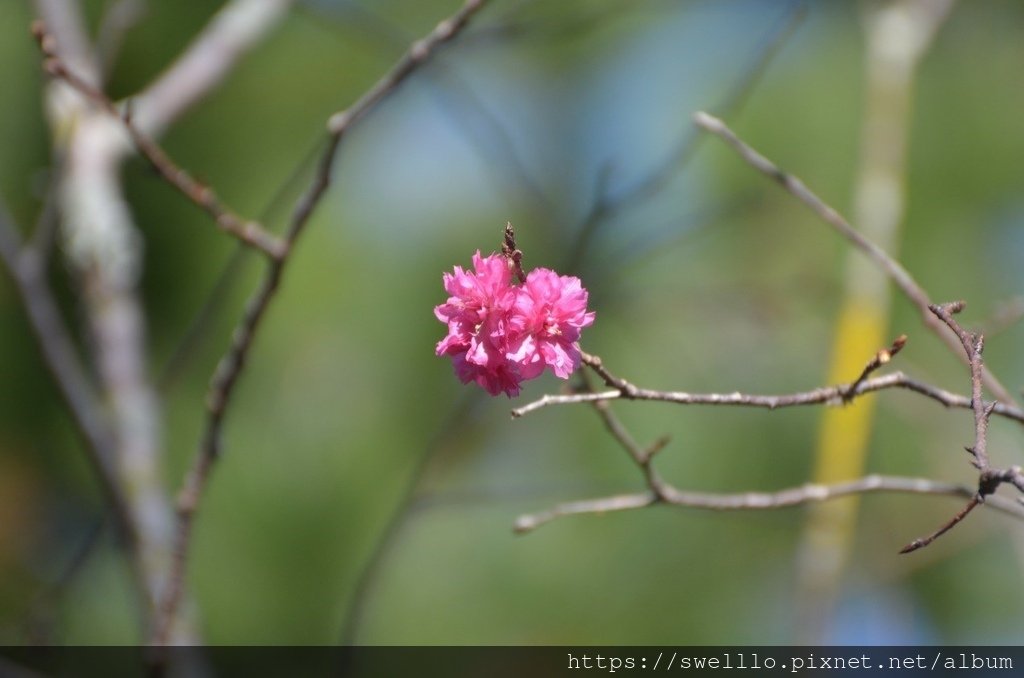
717	282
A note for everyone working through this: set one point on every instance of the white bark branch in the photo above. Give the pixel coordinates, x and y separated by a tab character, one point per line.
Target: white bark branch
205	63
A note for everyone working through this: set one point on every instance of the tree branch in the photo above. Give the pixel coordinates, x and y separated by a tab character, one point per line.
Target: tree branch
892	268
961	514
825	395
229	369
754	501
62	361
881	358
204	64
663	492
989	479
249	232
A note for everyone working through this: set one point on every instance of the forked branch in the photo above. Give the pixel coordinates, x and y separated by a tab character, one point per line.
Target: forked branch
231	365
661	492
892	268
249	232
989	479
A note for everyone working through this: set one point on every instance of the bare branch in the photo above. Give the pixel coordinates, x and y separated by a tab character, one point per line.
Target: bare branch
973	346
231	365
204	64
755	501
417	54
249	232
454	96
924	541
826	395
65	367
989	479
663	492
104	249
622	502
892	268
935	317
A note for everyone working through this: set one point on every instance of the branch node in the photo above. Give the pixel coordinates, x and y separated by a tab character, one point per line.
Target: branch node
251	234
881	358
989	481
655	447
338	123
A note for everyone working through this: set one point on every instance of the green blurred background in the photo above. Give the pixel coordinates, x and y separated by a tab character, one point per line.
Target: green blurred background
717	281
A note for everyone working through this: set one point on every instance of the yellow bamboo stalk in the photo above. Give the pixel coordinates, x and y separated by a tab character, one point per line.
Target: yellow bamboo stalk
897	33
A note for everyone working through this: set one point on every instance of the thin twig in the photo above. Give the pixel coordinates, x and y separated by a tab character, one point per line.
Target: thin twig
643	457
468	115
603	208
754	501
62	361
229	369
827	395
416	55
213	302
892	268
989	479
924	541
622	502
663	492
973	345
881	358
249	232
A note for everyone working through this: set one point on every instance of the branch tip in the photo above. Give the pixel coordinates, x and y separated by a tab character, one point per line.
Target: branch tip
912	546
524	524
707	121
952	522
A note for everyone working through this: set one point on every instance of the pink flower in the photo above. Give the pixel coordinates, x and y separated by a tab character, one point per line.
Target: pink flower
501	334
494	379
477	317
549	314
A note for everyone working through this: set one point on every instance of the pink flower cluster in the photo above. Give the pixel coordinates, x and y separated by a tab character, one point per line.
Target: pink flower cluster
501	334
